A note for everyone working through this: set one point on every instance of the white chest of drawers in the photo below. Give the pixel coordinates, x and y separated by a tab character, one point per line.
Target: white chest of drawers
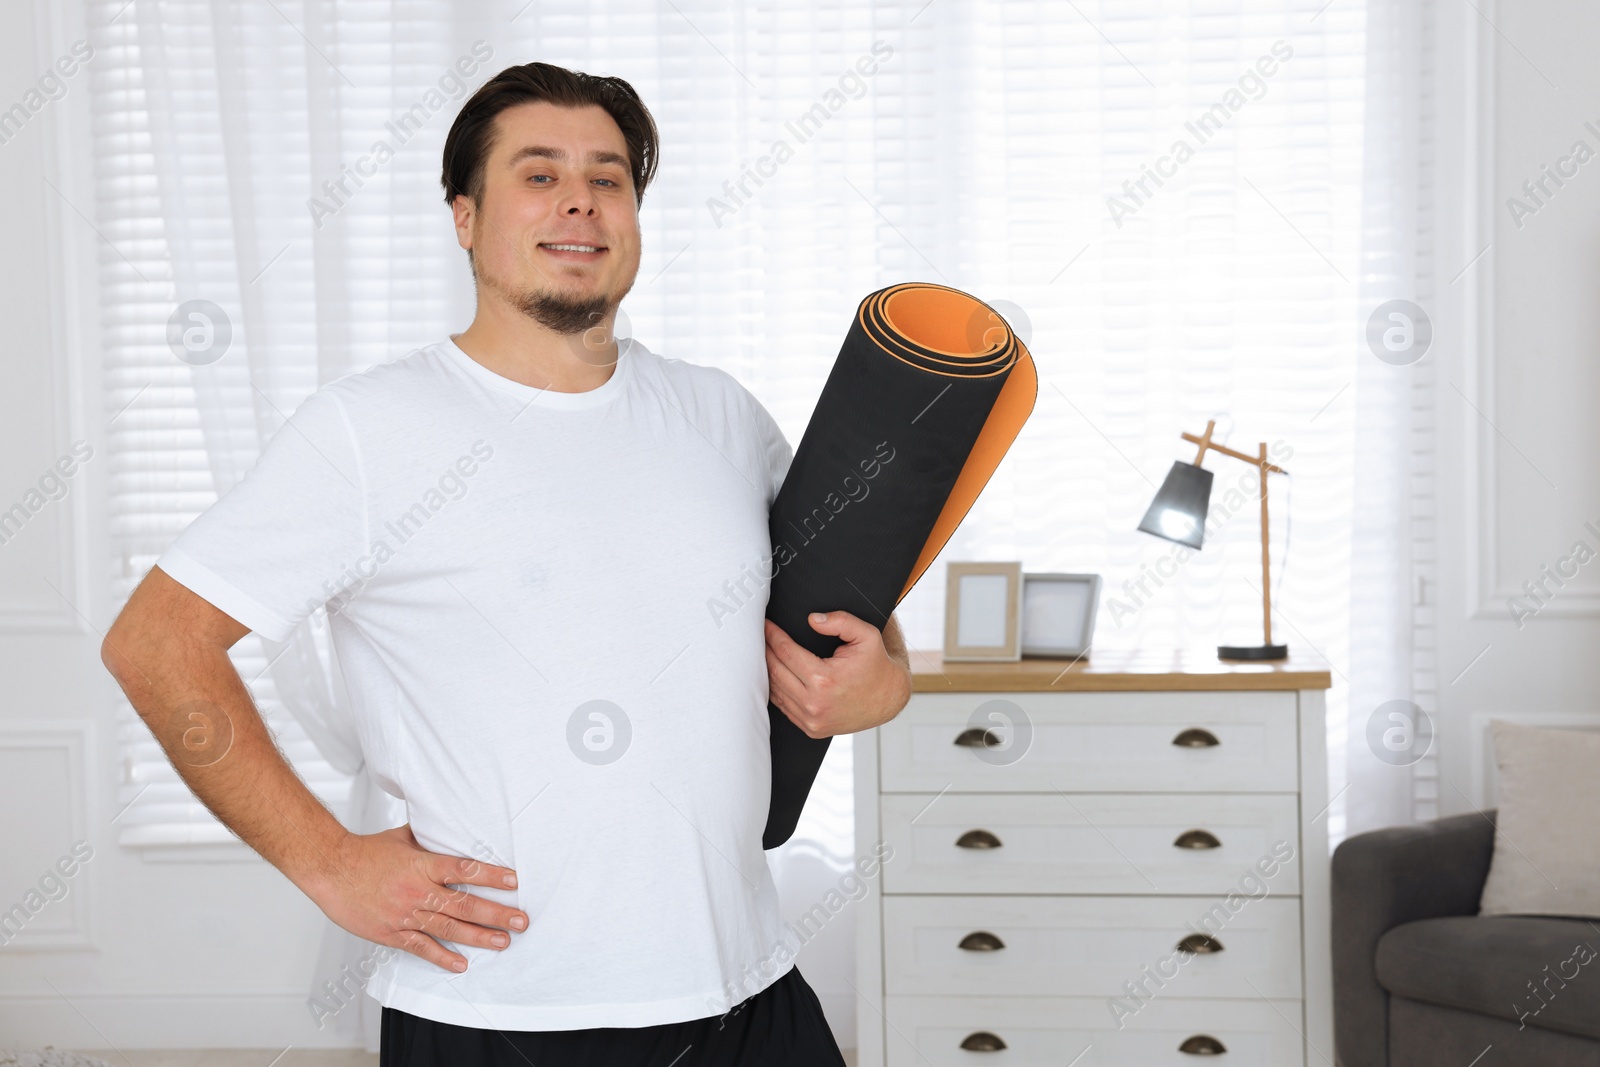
1121	863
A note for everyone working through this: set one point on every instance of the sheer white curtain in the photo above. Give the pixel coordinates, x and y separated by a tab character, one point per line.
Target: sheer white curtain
1028	153
1392	441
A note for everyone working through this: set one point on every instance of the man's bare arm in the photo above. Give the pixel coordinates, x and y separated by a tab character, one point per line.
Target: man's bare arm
894	643
168	649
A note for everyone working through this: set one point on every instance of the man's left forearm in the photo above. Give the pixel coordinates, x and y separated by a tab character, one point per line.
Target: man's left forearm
894	643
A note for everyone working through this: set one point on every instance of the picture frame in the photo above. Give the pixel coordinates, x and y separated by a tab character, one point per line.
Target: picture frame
983	612
1058	614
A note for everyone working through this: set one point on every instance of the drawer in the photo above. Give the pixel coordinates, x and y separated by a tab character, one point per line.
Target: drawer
1233	742
1055	1032
1088	843
1093	946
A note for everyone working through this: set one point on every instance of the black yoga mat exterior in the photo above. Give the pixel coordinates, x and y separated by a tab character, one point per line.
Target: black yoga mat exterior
879	458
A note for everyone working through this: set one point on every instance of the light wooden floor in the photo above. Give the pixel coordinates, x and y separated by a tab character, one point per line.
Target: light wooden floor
233	1057
256	1058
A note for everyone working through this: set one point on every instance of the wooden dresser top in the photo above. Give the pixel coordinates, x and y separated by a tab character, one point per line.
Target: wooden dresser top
1119	671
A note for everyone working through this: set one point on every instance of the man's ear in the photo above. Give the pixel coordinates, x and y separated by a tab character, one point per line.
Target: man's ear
463	211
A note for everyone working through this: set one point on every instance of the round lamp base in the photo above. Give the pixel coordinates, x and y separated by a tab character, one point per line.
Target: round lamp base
1252	652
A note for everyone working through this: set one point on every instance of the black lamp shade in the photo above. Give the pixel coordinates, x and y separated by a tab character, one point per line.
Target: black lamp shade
1178	513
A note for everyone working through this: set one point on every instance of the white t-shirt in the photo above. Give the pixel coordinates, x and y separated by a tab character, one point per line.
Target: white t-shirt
548	610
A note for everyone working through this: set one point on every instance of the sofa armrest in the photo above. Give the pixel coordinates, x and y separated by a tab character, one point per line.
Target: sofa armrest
1381	880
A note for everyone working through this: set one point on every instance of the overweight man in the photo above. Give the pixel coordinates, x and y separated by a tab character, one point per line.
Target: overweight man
525	535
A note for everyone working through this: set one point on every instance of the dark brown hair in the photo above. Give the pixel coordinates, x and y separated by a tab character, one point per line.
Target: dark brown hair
472	133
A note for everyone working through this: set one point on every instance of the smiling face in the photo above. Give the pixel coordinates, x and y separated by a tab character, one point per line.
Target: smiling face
555	234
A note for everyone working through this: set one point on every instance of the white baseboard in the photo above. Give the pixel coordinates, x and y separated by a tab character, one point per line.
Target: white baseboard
165	1021
208	1020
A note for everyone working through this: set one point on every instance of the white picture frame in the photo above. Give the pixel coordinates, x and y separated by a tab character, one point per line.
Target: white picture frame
983	612
1058	614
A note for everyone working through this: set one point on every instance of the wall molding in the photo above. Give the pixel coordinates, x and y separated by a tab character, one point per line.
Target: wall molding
1487	589
72	276
1478	349
76	741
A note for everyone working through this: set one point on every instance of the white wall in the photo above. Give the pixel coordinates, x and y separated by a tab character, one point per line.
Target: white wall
1519	477
136	953
142	953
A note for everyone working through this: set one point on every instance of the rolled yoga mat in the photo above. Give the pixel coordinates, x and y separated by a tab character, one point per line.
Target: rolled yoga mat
930	388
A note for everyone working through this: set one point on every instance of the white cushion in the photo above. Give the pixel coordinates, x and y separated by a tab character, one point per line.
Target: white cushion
1547	838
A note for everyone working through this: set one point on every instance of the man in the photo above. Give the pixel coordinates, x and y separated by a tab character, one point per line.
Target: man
519	532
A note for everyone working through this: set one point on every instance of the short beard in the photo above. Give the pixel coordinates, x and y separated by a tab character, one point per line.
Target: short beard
563	315
557	314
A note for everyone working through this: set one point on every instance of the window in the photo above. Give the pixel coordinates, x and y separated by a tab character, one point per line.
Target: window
1167	201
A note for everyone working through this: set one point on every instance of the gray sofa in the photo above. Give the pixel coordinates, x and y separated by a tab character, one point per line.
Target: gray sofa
1419	978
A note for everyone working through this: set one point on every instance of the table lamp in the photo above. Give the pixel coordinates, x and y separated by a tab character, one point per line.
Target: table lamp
1178	514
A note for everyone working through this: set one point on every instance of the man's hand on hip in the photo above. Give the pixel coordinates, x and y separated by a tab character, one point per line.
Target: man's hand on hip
862	685
392	891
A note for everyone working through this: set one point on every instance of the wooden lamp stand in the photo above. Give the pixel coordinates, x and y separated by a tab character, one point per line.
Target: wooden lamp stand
1266	650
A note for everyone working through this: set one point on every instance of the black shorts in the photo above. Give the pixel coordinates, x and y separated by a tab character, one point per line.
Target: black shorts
781	1026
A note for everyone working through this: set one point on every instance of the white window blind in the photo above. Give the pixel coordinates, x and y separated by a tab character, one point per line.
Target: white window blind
983	151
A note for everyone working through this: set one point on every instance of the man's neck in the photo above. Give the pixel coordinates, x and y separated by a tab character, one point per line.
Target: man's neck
515	346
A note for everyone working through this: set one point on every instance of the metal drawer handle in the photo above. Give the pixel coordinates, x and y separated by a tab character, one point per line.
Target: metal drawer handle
977	839
1197	839
976	737
1203	1045
1194	737
982	1041
1200	944
982	941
